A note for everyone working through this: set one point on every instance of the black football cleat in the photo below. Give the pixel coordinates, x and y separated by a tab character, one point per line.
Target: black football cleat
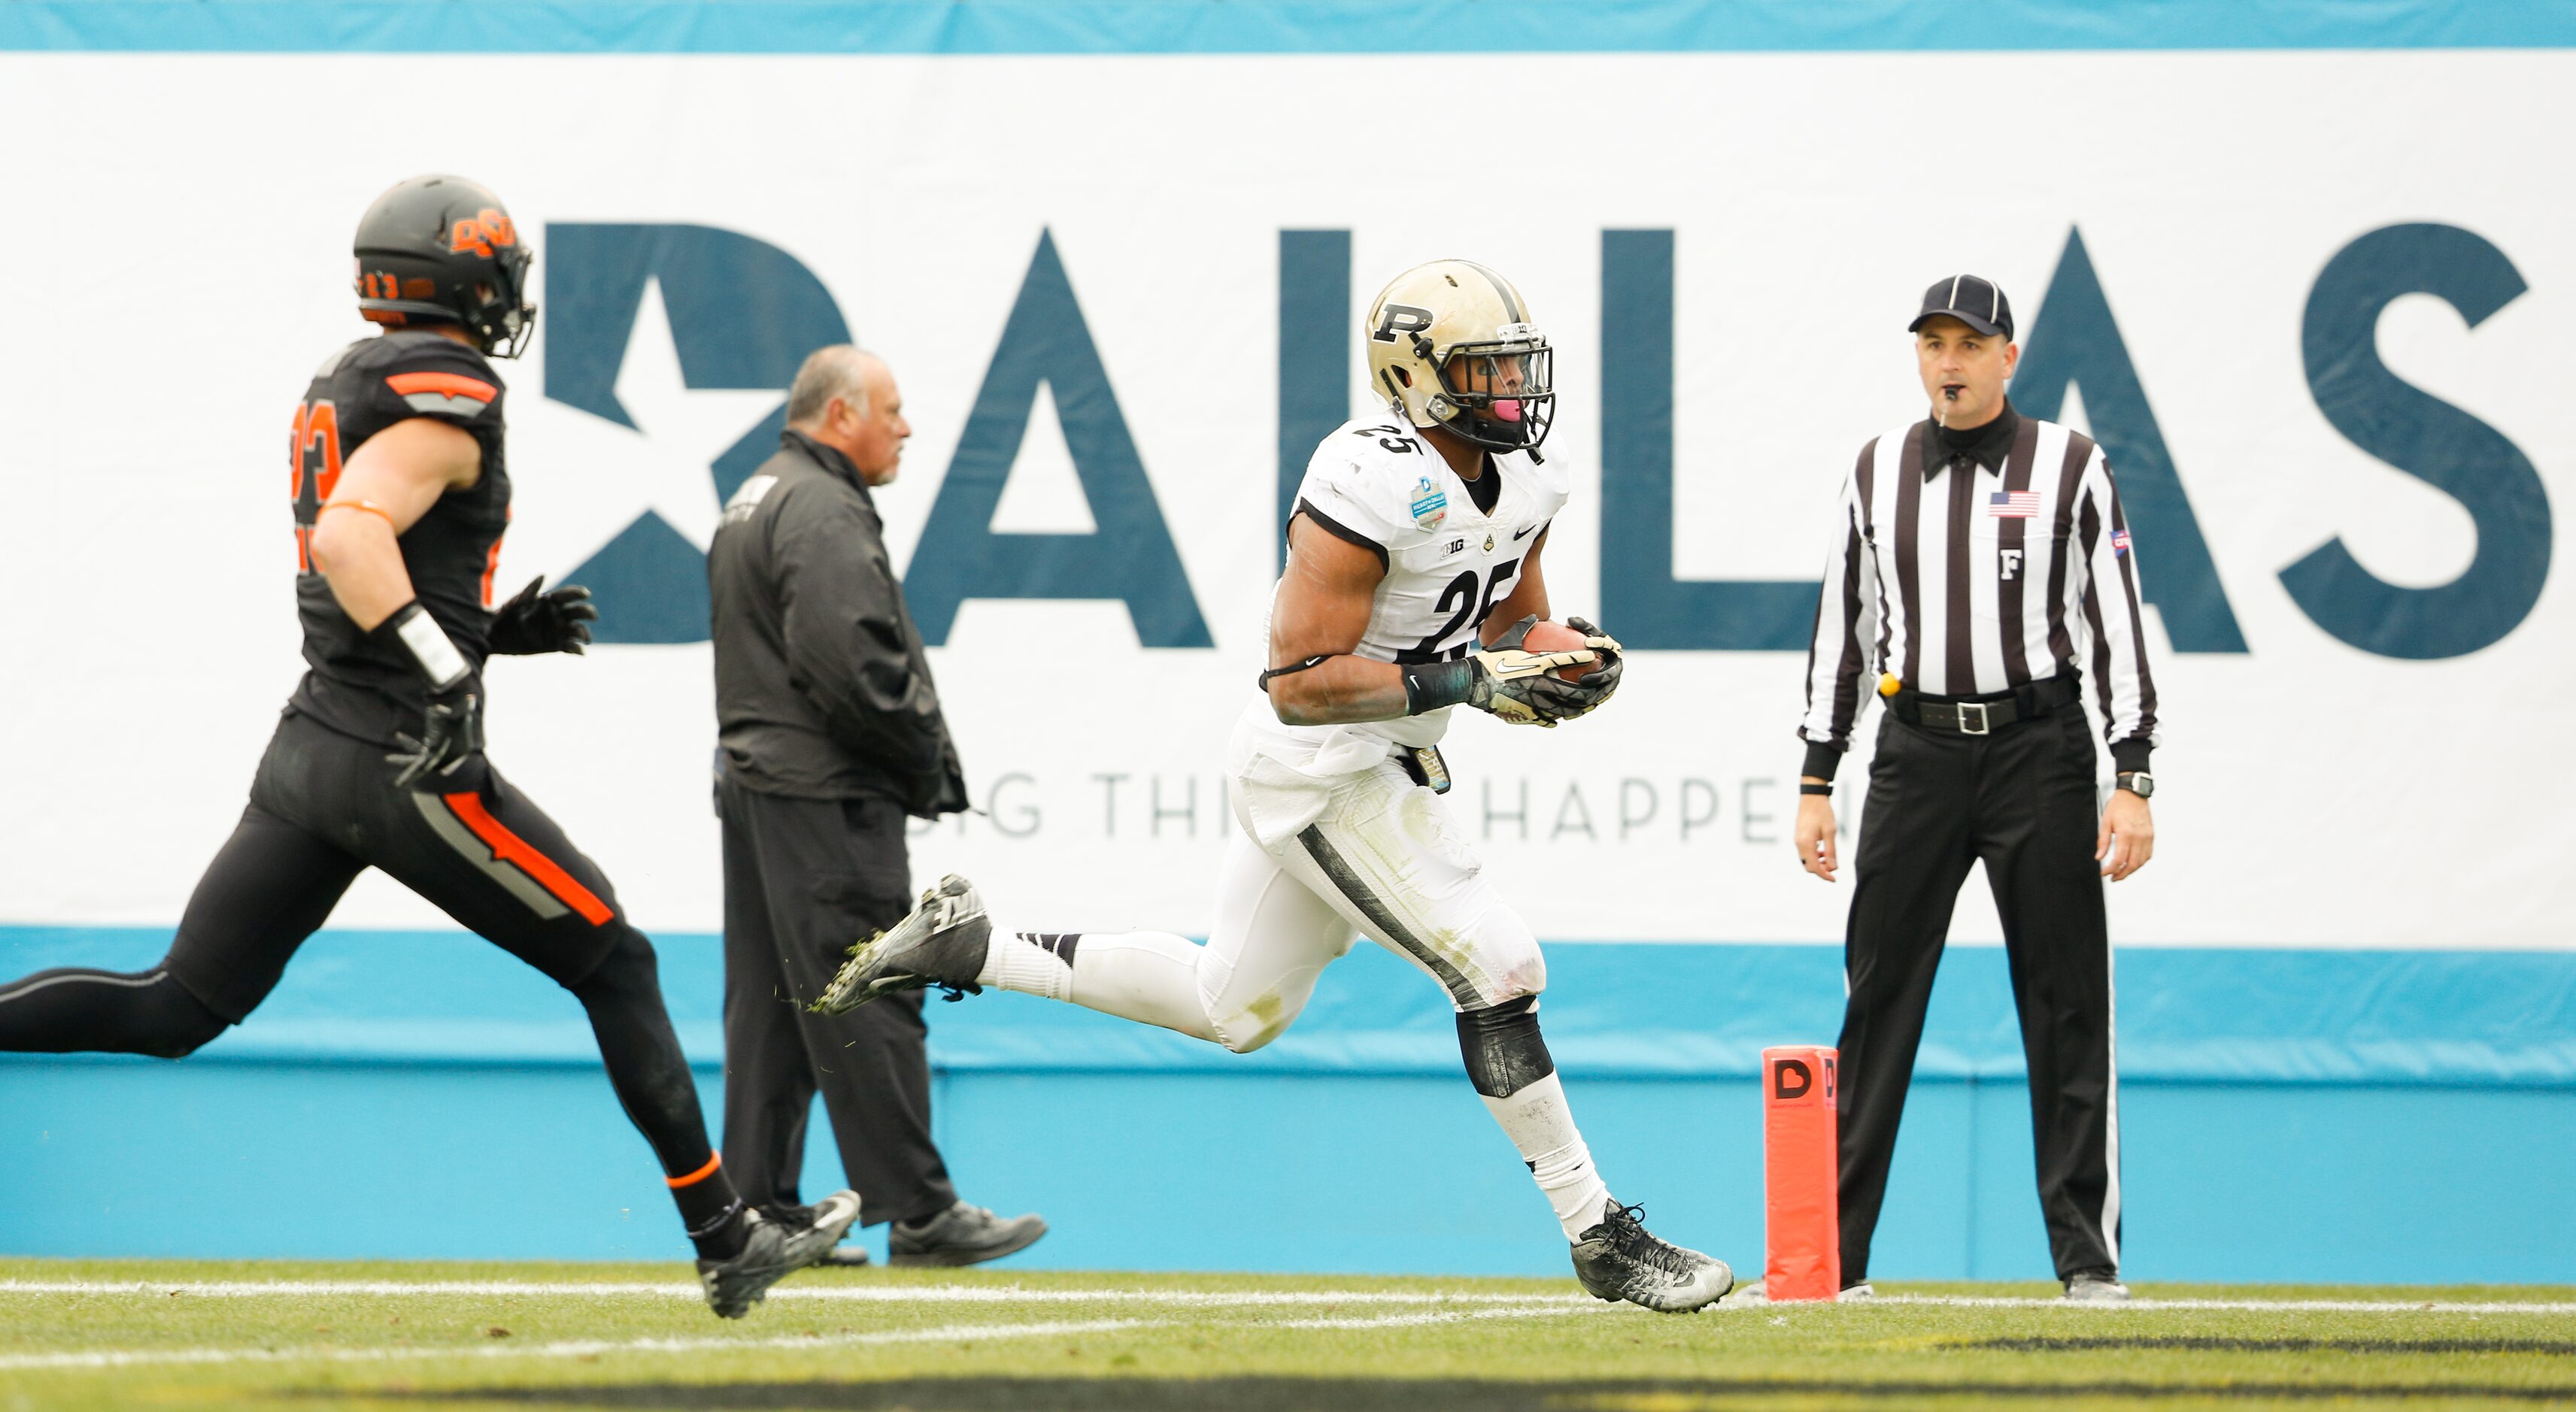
961	1235
942	942
1621	1259
773	1251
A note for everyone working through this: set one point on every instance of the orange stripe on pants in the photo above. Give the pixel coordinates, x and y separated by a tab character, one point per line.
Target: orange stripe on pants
519	853
714	1160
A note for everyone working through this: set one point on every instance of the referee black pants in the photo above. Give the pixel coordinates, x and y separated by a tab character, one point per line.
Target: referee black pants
804	880
2022	800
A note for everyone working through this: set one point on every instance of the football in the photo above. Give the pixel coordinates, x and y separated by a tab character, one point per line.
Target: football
1545	636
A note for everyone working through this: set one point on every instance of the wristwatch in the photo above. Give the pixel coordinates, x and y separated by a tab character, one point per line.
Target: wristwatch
2139	783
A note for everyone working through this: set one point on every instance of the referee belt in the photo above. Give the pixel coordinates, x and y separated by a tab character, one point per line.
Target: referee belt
1981	715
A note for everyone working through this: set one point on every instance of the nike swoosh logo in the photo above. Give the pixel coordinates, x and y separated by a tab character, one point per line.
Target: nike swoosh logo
1523	531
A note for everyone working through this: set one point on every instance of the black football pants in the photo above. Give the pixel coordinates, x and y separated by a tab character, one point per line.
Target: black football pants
804	880
323	809
2022	800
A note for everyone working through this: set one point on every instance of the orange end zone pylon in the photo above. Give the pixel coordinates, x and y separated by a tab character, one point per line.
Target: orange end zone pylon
1804	1245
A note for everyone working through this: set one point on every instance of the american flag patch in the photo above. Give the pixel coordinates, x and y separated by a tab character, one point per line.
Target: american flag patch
2013	505
2119	542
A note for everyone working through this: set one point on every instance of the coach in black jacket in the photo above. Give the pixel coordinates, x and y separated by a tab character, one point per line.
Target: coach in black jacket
830	735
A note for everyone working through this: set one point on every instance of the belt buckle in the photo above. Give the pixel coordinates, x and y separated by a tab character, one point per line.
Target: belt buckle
1982	725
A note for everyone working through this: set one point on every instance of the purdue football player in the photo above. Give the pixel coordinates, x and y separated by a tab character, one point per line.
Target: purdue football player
401	494
1413	586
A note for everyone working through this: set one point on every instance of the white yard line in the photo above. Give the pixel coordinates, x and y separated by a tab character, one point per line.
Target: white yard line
585	1348
880	1294
1401	1321
2283	1306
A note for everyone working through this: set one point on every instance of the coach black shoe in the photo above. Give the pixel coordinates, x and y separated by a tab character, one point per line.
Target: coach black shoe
942	942
961	1235
1621	1259
772	1251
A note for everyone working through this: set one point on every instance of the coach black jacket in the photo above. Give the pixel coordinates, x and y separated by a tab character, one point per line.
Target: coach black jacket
822	688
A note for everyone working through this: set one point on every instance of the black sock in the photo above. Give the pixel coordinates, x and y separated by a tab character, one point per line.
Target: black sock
711	1210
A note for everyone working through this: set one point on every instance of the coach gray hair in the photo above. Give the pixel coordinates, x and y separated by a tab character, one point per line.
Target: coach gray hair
839	370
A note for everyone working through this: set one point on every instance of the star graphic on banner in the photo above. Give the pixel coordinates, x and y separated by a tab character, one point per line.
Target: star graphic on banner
680	430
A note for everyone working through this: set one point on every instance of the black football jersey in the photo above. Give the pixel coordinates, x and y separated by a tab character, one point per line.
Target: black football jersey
368	686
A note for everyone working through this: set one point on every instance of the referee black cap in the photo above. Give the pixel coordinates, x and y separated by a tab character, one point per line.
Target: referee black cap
1972	301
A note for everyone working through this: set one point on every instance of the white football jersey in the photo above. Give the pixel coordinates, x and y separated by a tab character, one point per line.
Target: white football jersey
1378	484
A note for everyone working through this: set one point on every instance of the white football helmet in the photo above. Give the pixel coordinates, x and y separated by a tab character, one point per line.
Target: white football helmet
1450	344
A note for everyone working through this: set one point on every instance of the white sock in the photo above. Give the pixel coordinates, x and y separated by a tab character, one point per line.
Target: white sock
1029	962
1150	977
1542	1127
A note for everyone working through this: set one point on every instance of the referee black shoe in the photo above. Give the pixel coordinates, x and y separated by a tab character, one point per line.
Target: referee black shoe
942	942
772	1251
1620	1259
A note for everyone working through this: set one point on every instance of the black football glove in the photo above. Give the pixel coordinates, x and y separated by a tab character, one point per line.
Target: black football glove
535	622
451	732
1603	680
1521	687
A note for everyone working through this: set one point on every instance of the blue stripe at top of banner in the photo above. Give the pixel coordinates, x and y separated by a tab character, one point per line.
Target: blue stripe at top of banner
1279	27
1613	1009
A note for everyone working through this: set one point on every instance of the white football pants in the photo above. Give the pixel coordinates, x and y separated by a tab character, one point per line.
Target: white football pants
1383	859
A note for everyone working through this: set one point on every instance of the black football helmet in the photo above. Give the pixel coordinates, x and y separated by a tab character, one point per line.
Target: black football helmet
442	250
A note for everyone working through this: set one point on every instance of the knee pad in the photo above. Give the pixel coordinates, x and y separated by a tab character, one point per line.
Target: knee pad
1503	1048
630	965
169	1022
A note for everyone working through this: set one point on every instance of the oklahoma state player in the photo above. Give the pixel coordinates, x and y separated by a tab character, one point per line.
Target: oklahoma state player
401	493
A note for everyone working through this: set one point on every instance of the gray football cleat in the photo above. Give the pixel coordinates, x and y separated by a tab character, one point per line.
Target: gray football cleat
961	1235
812	1241
941	942
773	1251
2096	1287
1621	1259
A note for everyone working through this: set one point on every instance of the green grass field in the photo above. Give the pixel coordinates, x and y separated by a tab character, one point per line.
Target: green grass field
83	1334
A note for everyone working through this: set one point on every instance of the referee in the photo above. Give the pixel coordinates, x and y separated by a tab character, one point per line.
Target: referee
1981	569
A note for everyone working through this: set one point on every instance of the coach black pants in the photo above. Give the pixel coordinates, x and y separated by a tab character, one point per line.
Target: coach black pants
804	879
2022	800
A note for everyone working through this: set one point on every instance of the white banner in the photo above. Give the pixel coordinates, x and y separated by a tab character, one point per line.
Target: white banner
2252	275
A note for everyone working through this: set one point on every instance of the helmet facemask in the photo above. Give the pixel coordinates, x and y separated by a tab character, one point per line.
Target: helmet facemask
1499	394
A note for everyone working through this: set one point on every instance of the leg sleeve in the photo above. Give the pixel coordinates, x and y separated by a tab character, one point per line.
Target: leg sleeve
769	1088
1387	857
2038	849
1914	853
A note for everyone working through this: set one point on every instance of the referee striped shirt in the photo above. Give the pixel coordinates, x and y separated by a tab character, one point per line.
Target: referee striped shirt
1967	577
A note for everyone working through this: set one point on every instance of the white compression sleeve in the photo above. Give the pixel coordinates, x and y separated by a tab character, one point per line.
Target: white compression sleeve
1537	1121
1150	977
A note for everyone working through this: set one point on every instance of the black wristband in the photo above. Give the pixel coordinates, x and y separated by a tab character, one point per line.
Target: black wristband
1428	686
2128	757
1821	761
1811	787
